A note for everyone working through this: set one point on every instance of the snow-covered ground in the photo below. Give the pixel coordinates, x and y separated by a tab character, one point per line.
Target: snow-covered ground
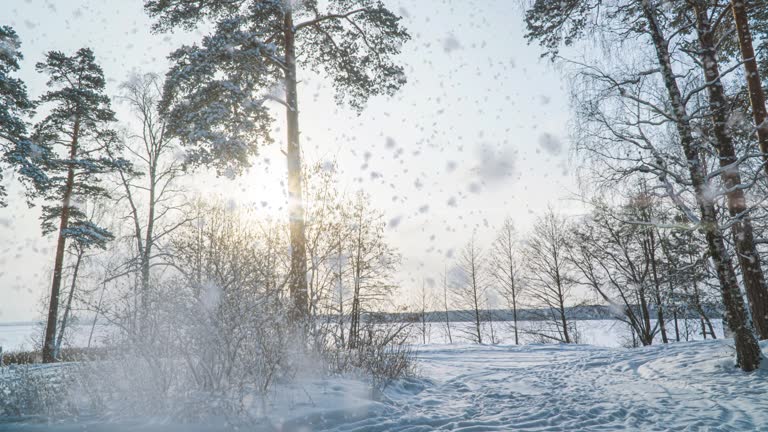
690	386
687	386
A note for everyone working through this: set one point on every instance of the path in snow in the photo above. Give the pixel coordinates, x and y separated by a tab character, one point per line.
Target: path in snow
685	386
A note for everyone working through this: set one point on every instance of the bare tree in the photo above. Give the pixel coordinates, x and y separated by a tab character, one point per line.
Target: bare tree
424	307
611	256
504	265
469	286
550	278
150	190
371	262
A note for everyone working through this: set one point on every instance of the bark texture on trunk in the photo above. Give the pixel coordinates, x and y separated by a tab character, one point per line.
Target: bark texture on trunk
49	344
752	73
68	307
743	238
298	276
514	303
747	349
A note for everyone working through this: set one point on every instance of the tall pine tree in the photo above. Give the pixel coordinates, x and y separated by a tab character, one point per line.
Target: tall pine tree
215	92
76	142
14	102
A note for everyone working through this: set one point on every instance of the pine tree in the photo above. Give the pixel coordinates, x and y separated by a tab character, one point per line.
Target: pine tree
740	9
215	92
14	103
77	143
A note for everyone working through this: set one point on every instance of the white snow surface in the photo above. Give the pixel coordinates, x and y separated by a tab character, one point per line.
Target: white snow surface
690	386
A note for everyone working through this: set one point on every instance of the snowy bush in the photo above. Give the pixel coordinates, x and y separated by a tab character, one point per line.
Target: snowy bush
382	355
28	390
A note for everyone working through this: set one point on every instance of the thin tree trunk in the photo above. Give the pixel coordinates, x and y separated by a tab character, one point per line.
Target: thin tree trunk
490	324
445	303
68	308
754	84
49	344
656	285
561	300
677	326
96	315
514	303
298	284
647	332
341	298
147	252
749	259
564	320
477	306
711	328
747	349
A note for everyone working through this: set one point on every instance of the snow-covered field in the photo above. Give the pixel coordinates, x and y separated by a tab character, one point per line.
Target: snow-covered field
27	335
689	386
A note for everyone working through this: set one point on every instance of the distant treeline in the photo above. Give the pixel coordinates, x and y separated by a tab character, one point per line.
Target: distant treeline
585	312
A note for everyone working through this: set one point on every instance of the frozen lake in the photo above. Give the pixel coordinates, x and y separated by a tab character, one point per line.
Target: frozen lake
606	333
28	335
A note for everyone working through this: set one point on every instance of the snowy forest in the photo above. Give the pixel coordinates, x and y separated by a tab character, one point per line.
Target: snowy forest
383	215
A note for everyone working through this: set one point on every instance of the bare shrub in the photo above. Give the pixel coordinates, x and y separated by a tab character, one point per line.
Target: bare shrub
382	355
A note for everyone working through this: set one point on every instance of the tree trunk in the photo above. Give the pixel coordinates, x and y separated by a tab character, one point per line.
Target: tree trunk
445	303
341	298
747	349
477	306
68	308
49	344
298	279
563	319
561	299
646	333
146	253
657	287
754	85
514	304
749	259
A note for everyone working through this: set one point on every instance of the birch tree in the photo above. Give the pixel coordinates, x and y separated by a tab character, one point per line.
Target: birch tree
555	24
149	188
707	20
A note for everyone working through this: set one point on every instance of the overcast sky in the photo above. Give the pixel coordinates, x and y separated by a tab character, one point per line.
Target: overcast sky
478	133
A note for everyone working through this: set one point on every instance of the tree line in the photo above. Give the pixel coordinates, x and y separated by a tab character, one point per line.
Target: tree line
114	195
681	113
672	136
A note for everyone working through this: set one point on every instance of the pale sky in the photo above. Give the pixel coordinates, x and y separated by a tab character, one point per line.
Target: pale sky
478	133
